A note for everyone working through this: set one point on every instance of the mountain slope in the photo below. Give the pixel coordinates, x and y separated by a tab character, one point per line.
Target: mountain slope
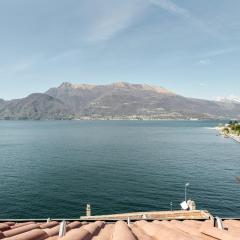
124	99
35	106
80	97
118	100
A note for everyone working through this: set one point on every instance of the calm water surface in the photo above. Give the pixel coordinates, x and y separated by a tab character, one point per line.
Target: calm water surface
53	168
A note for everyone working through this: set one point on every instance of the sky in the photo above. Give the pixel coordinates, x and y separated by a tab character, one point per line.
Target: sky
190	47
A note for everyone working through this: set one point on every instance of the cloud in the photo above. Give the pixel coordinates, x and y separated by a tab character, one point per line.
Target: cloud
20	65
205	61
114	18
209	57
173	8
17	67
223	51
68	53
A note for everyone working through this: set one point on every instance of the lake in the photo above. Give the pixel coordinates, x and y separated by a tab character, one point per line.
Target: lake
54	168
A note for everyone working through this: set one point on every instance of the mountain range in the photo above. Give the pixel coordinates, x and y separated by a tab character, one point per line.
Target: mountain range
114	101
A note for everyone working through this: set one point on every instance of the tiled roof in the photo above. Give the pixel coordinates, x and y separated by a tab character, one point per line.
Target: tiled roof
120	230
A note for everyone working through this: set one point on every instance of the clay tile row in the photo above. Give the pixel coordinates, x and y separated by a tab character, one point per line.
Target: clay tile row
120	230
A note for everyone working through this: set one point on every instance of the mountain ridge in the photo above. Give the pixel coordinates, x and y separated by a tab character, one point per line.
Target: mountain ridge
118	100
119	84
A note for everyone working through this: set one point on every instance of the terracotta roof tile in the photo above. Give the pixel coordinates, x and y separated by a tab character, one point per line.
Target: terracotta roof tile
93	228
21	224
75	224
219	233
52	231
10	223
105	233
120	230
49	224
232	223
19	230
193	223
4	227
139	233
35	234
77	234
1	235
52	238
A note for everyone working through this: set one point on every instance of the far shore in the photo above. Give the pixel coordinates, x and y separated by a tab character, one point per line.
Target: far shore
118	119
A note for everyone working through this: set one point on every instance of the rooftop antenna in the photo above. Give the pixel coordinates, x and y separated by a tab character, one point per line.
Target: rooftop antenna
186	185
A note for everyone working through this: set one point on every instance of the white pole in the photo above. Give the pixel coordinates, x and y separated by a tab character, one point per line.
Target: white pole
62	229
186	185
128	221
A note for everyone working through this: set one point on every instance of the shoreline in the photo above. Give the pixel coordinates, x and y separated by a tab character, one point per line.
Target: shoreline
120	119
235	138
228	135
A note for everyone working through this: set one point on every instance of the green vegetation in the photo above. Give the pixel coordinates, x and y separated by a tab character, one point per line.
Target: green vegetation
233	127
226	130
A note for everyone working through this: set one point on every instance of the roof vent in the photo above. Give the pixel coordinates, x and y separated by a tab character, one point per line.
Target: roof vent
128	221
218	223
62	230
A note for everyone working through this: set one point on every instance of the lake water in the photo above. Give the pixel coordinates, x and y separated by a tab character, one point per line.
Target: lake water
53	168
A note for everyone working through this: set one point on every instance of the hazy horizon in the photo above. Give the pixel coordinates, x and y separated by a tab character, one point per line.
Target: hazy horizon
190	48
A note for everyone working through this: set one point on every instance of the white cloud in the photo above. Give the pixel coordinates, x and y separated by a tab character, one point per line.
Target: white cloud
17	67
173	8
65	54
20	66
223	51
111	19
205	61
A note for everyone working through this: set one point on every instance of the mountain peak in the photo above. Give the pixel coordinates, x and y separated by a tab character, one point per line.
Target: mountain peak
76	86
65	85
229	99
136	86
121	84
157	89
144	87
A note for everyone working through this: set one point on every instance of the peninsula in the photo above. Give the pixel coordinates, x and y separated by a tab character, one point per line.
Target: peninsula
232	130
